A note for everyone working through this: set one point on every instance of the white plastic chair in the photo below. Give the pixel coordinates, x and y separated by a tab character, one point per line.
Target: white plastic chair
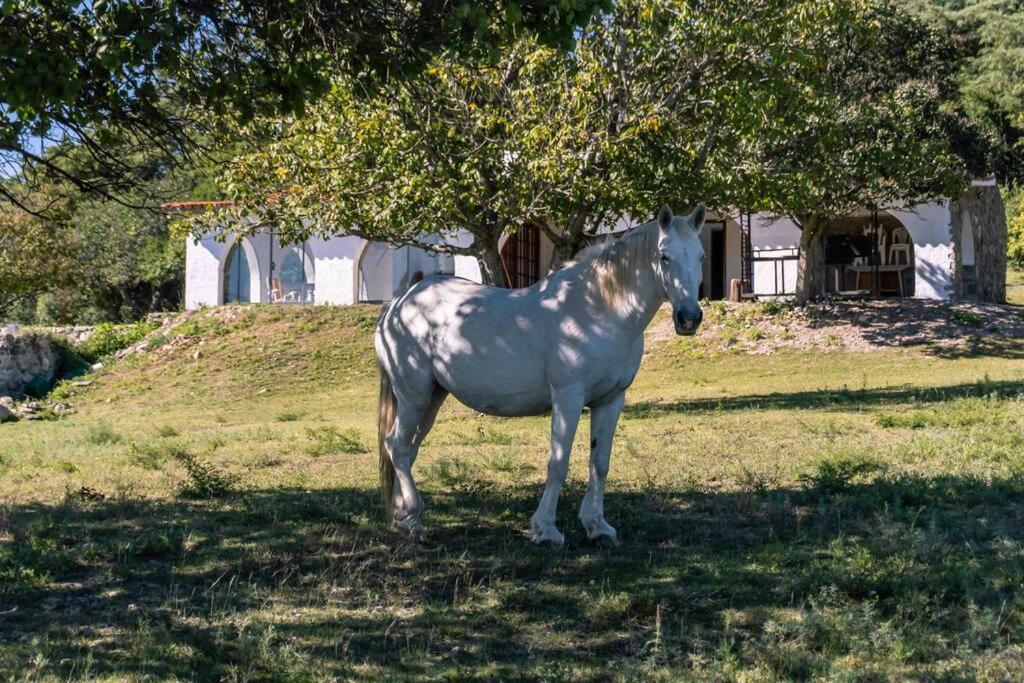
900	245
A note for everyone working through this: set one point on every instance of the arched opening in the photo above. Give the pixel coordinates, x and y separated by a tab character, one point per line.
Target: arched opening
238	275
294	277
521	256
375	273
866	255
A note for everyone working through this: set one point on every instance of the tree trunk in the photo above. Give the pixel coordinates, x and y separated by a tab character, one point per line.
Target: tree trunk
492	269
810	275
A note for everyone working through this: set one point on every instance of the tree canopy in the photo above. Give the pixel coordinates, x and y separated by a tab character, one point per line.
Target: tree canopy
648	107
110	76
877	125
989	35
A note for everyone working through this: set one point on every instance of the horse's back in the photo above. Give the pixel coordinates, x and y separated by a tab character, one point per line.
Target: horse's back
485	345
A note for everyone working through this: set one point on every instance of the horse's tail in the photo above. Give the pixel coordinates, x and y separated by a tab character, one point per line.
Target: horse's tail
387	406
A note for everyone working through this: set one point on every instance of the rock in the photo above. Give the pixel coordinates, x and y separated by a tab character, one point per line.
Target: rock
96	366
5	414
28	363
82	383
7	402
196	354
61	408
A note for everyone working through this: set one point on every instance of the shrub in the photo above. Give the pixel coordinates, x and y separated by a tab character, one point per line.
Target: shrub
330	441
108	339
1015	226
102	433
204	480
965	317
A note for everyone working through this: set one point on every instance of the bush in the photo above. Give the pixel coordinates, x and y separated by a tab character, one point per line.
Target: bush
330	441
204	480
109	338
102	434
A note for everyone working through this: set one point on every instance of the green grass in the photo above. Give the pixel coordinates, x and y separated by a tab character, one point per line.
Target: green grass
1015	286
789	516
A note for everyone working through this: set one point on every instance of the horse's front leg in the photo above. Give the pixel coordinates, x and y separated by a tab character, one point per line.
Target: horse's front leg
566	406
603	419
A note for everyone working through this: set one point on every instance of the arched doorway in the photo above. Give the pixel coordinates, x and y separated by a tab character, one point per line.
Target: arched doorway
293	281
237	279
375	273
521	257
866	254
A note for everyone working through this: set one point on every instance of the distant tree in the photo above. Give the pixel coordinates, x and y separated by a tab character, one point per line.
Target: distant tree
989	35
111	76
876	125
645	109
87	260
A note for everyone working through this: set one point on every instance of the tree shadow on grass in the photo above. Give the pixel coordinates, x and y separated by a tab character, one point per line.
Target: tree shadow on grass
827	399
290	583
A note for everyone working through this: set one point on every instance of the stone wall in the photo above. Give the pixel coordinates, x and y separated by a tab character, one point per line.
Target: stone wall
28	363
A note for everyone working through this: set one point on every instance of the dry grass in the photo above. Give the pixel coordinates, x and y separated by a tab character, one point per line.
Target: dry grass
798	515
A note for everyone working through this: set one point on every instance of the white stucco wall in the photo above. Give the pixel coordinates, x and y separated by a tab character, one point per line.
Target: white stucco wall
929	228
770	238
202	273
335	267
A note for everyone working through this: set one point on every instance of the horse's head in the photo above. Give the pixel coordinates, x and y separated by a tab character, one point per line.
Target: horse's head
679	266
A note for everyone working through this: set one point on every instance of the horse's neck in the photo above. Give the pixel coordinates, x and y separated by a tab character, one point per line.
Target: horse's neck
630	297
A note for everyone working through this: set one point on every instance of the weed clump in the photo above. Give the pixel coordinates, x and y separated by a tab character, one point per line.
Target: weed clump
204	480
102	434
332	441
109	338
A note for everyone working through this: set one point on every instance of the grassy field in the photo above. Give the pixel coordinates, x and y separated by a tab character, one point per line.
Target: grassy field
1015	286
210	512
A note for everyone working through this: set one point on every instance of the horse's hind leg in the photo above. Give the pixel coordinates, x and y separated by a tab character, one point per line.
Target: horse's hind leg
603	419
412	423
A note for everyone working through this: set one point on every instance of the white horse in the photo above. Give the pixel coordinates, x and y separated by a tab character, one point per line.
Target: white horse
572	340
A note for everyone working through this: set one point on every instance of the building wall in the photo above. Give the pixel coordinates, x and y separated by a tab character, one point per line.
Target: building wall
335	269
929	228
768	238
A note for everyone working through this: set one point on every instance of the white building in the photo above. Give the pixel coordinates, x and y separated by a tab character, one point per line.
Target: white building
916	253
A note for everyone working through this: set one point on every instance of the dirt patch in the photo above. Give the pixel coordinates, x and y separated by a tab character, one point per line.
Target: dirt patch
867	325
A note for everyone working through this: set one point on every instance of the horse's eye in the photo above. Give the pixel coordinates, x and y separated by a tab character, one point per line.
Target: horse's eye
665	258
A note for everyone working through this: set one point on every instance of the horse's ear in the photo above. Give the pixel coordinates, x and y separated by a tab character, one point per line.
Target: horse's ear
665	218
697	216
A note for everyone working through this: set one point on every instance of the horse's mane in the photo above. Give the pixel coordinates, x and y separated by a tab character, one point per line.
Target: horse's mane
614	265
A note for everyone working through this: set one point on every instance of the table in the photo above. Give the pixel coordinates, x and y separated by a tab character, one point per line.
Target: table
897	268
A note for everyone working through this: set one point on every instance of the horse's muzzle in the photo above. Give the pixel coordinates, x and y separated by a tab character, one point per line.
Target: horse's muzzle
687	321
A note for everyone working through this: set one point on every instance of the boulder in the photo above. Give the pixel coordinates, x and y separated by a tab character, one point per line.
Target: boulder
5	414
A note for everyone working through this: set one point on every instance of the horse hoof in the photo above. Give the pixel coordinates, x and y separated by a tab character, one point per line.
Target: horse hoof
606	541
412	531
553	543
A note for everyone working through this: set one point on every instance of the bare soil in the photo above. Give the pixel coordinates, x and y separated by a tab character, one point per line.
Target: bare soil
863	325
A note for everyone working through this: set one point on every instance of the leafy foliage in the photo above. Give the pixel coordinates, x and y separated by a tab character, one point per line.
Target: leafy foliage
648	107
108	338
117	75
989	34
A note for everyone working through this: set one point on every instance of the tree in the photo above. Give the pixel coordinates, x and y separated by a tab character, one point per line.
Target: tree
989	35
877	125
111	76
88	261
645	109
